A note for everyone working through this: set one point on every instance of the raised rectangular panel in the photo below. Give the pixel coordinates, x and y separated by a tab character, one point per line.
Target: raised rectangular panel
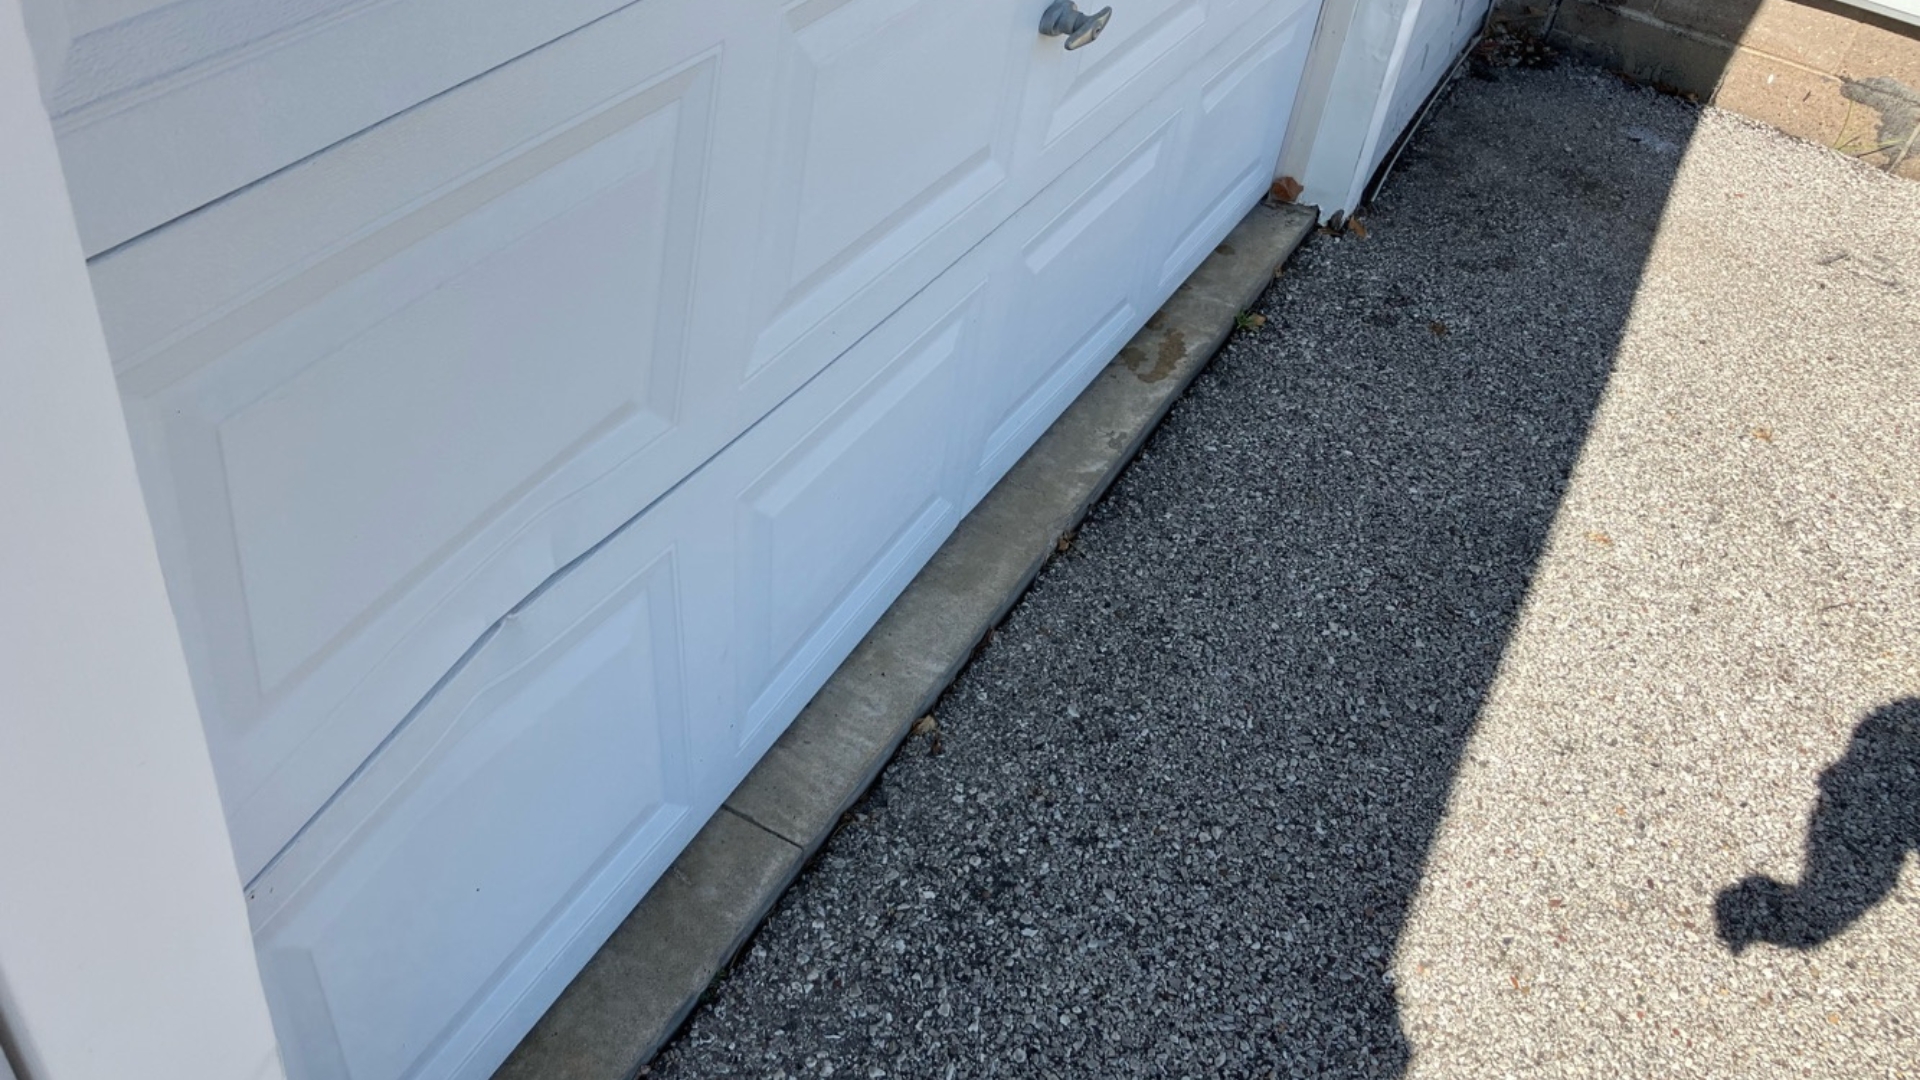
901	103
1236	125
1081	97
502	343
898	124
443	899
1073	291
356	471
1131	47
832	531
161	106
175	282
110	47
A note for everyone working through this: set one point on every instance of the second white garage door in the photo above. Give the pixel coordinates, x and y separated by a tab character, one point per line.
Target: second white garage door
522	463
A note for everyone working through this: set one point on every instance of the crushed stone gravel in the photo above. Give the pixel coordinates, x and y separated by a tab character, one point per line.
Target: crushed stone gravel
1463	678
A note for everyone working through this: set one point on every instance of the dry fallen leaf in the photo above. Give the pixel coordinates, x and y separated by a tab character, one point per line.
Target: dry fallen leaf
926	725
1285	190
1438	328
1763	434
1357	228
1600	538
1065	543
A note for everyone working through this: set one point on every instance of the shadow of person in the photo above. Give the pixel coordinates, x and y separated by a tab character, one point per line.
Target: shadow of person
1866	821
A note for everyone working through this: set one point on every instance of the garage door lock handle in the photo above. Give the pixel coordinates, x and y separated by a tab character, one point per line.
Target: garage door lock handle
1080	29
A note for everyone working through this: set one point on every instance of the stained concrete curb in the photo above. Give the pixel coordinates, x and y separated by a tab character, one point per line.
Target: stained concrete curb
644	982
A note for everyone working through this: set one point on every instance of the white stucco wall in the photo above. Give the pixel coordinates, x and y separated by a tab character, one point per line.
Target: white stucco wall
124	949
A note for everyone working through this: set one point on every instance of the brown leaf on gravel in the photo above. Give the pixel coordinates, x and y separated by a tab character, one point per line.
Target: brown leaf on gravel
1285	190
1600	538
1763	434
926	725
1438	328
1357	228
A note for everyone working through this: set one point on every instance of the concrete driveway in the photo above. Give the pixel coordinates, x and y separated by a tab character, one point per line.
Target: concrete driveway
1504	662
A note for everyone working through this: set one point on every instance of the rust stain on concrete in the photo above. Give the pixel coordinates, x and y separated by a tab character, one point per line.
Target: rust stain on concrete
1172	350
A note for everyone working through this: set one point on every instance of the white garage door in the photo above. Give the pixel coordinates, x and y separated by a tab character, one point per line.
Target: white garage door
536	402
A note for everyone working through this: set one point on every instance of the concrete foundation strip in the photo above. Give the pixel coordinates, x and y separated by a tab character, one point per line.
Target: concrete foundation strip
645	981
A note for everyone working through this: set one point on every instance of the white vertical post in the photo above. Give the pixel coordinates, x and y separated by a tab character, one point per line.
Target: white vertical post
1334	140
124	949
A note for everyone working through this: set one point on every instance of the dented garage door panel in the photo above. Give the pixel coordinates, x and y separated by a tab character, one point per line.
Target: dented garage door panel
472	851
523	464
359	463
162	106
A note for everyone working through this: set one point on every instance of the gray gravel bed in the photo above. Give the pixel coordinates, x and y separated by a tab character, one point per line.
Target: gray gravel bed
1420	698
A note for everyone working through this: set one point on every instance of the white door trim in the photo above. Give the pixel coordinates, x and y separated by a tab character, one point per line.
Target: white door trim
1338	133
125	950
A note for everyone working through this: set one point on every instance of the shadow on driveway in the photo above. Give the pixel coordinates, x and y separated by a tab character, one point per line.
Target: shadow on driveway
1867	820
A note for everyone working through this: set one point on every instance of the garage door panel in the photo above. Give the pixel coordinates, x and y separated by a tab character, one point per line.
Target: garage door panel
530	324
336	478
330	424
831	532
164	107
757	574
1239	116
889	114
174	283
523	795
113	46
898	125
1074	287
1128	54
1082	97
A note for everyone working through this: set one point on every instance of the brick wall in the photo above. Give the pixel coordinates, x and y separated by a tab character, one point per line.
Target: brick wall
1824	71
